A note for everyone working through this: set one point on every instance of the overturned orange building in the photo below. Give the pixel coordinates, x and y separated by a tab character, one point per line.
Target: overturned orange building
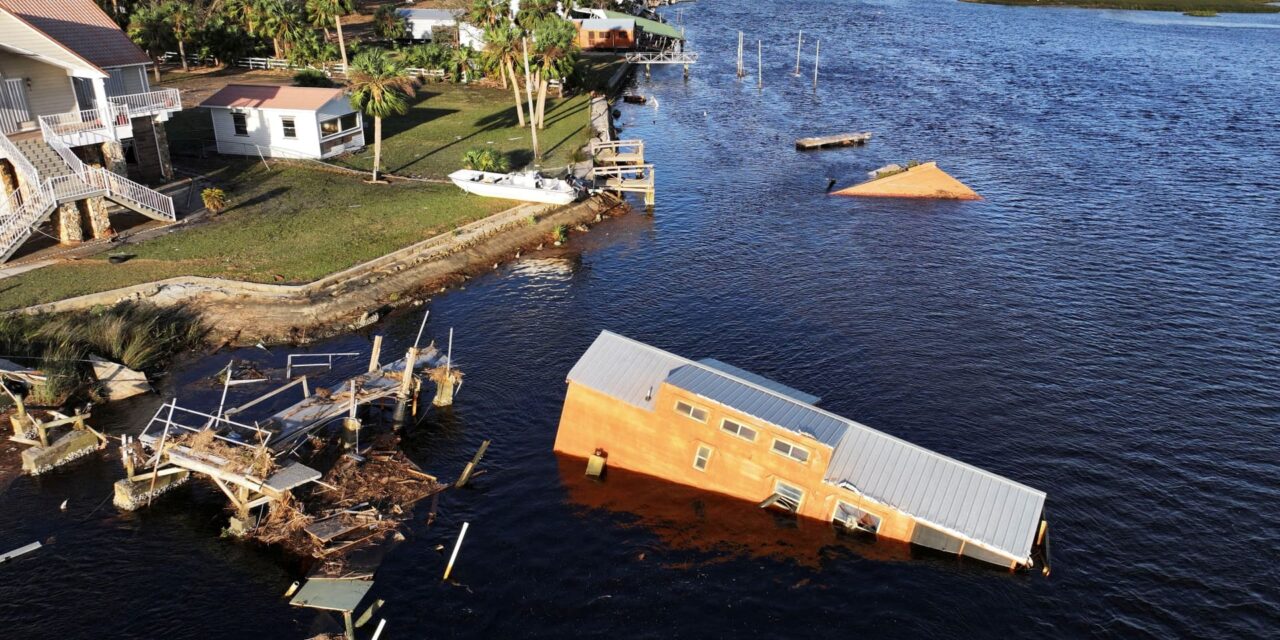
713	426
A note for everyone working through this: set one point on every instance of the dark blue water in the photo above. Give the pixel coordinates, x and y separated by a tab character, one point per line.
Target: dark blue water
1105	326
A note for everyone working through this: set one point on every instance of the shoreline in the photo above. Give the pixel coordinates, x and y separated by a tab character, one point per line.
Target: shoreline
248	312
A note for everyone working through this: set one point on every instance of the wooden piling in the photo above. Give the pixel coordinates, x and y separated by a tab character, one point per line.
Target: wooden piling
816	49
799	42
376	353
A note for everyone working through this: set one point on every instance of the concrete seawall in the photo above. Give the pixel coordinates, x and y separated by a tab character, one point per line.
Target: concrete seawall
247	312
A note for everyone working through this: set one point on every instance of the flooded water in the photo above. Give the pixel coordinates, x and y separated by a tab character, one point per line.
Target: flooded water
1105	326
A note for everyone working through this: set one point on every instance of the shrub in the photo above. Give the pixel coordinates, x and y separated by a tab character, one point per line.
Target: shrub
215	199
560	234
311	78
480	159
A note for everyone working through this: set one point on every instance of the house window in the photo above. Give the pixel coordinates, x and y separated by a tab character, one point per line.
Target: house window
290	131
702	457
336	125
855	519
790	450
241	124
740	430
789	495
697	413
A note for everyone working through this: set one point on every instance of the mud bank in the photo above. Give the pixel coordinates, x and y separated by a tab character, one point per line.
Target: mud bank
248	312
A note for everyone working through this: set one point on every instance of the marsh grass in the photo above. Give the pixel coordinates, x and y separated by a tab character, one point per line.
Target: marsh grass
139	336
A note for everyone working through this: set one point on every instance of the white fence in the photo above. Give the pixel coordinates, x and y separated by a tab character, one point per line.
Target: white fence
280	64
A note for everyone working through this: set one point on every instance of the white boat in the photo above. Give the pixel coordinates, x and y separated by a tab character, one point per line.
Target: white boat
529	187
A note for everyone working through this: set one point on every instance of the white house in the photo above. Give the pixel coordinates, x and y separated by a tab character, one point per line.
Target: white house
422	21
284	122
78	119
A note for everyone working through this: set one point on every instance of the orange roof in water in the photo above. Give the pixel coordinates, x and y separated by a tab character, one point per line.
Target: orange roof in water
921	181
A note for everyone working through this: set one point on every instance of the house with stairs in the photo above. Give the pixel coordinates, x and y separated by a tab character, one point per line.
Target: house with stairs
79	123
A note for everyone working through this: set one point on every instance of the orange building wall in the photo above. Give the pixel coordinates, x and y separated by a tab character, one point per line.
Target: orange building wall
663	444
614	39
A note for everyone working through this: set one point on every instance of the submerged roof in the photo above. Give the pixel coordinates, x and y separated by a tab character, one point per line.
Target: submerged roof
82	27
645	24
265	96
921	181
977	505
772	385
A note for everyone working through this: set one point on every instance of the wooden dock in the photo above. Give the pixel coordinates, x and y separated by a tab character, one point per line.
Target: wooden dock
634	178
618	152
837	140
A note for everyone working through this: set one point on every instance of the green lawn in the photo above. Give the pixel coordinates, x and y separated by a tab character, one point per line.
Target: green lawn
447	119
293	222
298	223
1222	6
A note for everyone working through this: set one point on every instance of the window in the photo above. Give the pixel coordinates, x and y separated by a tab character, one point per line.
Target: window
336	125
790	450
789	495
697	413
290	131
855	519
740	430
241	123
702	457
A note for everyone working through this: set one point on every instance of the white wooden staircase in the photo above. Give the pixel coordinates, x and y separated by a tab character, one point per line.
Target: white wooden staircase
50	173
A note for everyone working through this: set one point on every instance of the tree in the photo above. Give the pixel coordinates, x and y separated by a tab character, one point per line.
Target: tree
388	24
149	28
534	11
182	20
379	88
502	44
322	11
280	20
556	44
460	62
489	13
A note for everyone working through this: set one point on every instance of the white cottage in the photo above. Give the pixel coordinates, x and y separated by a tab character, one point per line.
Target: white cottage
284	122
421	21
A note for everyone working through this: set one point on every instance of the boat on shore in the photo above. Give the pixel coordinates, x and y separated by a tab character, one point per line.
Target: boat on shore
528	187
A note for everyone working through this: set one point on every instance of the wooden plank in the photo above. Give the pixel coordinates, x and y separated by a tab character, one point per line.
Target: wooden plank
837	140
23	550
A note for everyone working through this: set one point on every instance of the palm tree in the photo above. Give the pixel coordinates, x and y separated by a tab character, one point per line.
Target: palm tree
461	60
502	44
149	29
324	11
182	19
533	11
379	88
486	160
555	39
488	13
279	20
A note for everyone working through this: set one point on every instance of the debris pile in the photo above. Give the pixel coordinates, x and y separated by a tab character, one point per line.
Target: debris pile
251	461
357	501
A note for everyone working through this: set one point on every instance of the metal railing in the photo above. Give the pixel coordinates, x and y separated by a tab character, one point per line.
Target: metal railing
119	187
69	187
90	126
150	103
290	365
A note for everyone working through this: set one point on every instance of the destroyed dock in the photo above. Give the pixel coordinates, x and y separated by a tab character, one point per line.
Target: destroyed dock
270	468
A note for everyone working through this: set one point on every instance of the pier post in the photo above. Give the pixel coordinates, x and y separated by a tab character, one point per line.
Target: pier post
406	386
648	71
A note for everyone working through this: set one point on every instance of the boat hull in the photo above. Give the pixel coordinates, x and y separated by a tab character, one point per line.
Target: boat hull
512	192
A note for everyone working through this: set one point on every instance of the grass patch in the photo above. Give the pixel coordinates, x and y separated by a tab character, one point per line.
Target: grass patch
447	120
140	336
1190	7
289	224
